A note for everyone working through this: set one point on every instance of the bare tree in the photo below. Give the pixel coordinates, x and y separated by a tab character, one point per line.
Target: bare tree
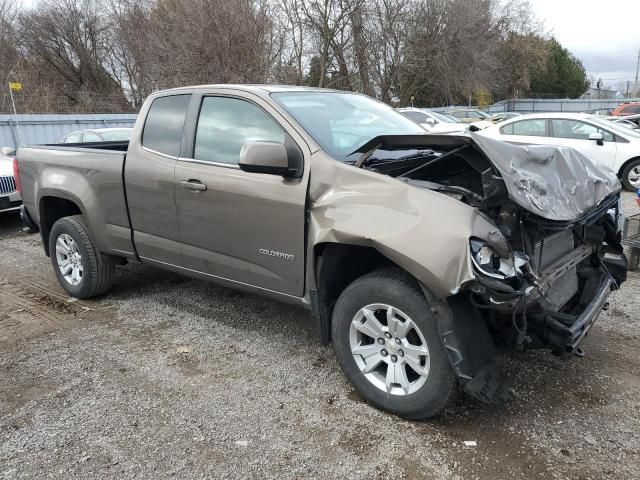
9	54
67	37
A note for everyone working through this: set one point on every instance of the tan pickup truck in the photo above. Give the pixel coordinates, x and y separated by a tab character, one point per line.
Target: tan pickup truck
418	255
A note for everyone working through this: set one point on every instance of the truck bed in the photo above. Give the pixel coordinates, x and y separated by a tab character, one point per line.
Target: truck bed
88	174
111	146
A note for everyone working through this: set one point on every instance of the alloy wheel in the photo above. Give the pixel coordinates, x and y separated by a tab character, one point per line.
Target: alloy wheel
69	259
389	349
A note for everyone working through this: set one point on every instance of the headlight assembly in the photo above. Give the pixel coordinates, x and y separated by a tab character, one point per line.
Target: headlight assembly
488	262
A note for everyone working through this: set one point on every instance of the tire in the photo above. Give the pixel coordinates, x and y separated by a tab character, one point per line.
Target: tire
629	170
95	275
634	259
415	396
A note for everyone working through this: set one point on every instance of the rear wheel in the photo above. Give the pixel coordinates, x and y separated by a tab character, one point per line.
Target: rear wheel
630	177
81	270
388	345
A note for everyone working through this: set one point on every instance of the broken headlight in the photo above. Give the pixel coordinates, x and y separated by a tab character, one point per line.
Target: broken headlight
487	261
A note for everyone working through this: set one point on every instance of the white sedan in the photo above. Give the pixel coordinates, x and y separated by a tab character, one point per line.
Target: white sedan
612	146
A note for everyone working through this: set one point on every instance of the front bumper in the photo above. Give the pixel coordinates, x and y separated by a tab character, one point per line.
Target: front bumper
566	331
10	202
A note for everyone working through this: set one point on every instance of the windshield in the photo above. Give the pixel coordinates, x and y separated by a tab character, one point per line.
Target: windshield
343	122
442	117
481	114
116	135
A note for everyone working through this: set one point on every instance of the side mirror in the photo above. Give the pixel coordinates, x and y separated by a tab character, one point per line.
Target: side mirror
430	121
597	137
265	157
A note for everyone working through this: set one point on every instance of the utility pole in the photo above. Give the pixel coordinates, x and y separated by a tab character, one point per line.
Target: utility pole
637	72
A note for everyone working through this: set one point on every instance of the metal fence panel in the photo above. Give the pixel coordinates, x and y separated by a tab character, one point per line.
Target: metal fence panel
38	129
530	105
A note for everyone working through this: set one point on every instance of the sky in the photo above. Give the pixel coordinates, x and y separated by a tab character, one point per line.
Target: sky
605	35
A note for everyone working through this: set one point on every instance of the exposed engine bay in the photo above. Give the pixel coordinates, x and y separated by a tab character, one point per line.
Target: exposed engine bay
561	262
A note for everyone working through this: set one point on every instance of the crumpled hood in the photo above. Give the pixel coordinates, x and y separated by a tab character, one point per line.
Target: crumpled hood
556	183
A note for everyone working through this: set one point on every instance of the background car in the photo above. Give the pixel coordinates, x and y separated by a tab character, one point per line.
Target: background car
467	115
502	116
604	112
612	146
431	121
97	135
627	108
625	121
10	198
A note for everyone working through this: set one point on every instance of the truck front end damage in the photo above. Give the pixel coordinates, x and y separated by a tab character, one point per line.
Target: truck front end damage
539	279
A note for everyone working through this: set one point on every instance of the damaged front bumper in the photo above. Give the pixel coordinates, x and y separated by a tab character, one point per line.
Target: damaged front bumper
566	330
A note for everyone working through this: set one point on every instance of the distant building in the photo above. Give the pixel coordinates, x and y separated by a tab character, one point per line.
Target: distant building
595	94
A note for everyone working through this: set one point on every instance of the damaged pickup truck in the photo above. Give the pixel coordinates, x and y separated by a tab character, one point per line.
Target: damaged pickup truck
418	255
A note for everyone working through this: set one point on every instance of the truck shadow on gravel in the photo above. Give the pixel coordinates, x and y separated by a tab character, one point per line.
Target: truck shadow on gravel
542	382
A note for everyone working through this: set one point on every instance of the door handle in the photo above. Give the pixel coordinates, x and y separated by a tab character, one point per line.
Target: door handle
193	184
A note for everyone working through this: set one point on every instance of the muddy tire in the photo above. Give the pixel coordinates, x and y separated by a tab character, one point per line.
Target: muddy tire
630	177
634	259
81	270
387	343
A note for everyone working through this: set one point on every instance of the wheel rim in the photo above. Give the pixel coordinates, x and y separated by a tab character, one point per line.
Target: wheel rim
69	259
634	176
389	349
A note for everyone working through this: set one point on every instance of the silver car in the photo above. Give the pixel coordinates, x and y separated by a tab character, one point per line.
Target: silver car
97	135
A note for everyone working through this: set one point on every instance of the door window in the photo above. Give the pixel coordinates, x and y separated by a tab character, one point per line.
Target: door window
529	128
73	138
91	137
226	124
631	109
163	126
577	130
416	117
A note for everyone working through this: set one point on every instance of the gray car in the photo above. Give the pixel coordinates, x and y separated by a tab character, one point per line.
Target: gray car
418	255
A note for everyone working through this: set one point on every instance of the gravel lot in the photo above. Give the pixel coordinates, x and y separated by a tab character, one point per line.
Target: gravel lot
172	377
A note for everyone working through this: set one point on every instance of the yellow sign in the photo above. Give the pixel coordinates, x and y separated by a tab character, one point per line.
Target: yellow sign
15	86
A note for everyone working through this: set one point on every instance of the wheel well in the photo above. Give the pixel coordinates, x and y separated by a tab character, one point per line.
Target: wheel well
337	265
624	165
53	209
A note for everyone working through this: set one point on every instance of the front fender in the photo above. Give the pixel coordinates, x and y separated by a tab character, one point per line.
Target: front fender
424	232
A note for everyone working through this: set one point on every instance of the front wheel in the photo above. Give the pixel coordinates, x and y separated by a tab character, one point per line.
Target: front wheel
81	270
388	345
630	177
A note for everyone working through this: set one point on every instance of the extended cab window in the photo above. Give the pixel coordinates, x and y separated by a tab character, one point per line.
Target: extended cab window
163	127
225	124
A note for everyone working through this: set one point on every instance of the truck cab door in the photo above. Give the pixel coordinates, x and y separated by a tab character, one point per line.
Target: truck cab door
245	228
149	180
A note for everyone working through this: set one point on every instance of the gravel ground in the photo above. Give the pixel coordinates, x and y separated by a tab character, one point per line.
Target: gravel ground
172	377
